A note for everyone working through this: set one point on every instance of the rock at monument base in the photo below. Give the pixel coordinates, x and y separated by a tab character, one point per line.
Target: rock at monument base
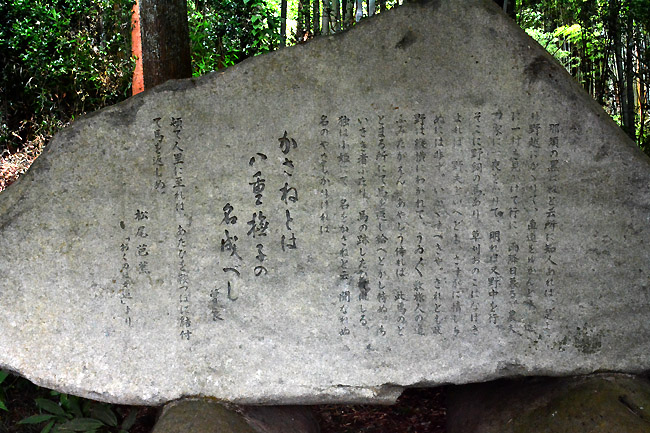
200	416
593	404
209	416
428	198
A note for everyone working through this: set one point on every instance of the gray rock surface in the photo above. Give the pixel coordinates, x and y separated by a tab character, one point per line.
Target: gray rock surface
597	404
426	199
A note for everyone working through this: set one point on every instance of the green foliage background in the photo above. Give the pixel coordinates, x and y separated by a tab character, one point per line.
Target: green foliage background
592	39
60	59
225	32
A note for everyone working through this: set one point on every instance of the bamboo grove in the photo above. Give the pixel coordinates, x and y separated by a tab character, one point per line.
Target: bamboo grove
604	44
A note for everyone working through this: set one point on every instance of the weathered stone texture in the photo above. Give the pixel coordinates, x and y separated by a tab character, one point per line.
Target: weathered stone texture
426	199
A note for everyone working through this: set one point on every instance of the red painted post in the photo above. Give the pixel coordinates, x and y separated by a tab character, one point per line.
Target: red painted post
136	50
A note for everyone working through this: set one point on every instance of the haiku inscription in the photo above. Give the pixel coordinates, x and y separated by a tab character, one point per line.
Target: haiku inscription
437	224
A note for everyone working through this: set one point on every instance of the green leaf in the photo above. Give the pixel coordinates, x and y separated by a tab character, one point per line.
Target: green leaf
81	424
3	376
48	427
73	404
130	419
3	407
49	406
36	419
104	414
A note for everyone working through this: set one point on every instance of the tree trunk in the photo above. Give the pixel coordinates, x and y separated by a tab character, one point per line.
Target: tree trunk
359	14
306	18
283	23
615	35
630	112
349	13
316	17
586	66
165	41
299	22
336	5
641	85
327	10
603	65
508	7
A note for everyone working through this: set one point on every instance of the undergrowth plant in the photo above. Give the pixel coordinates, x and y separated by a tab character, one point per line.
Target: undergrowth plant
3	397
74	414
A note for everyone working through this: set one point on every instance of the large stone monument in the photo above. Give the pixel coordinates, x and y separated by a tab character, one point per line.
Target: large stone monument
428	198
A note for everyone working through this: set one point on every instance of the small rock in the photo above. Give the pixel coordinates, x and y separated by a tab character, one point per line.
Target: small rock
209	416
594	404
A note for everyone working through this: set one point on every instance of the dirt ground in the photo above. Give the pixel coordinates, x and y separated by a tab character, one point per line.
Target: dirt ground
417	411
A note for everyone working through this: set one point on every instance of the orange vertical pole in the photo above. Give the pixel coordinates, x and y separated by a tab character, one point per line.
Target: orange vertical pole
136	50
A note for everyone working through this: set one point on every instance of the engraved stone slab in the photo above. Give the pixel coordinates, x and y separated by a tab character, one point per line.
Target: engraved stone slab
425	199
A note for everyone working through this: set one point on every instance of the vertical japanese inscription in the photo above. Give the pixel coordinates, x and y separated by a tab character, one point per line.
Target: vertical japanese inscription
496	214
436	233
135	259
142	251
230	260
258	224
126	281
288	193
477	235
401	296
533	258
182	274
550	225
516	189
380	240
362	242
345	295
436	220
248	244
324	180
457	230
159	183
420	146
